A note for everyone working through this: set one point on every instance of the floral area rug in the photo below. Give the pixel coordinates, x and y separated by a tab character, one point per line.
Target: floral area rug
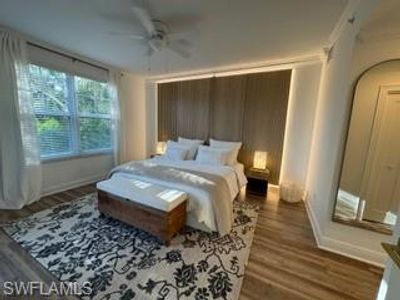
76	244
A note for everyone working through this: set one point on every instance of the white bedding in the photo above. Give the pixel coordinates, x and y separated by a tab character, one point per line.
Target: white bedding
200	209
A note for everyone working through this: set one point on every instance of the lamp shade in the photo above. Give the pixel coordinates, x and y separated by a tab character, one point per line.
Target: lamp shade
161	147
260	159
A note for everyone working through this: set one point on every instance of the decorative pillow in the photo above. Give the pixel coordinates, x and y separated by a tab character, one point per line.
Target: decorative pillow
213	156
233	146
176	151
194	145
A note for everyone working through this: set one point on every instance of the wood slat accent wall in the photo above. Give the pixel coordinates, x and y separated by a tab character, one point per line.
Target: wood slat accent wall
167	112
193	108
228	108
249	108
265	118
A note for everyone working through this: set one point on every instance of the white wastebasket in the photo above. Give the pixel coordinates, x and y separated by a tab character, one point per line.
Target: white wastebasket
290	192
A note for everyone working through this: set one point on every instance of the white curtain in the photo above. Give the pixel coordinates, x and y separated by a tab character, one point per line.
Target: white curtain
20	169
117	118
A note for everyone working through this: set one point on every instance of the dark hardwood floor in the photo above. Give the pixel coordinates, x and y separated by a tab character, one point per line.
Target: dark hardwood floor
284	261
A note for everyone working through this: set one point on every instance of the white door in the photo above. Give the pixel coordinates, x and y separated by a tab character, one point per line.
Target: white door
381	184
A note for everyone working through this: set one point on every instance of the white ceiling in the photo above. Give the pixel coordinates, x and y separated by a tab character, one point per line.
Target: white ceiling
224	32
384	21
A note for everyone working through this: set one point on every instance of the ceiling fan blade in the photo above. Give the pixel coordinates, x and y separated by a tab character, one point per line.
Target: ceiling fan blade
180	42
144	18
128	34
181	34
179	48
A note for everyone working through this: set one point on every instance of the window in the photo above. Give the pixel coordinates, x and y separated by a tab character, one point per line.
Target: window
73	114
94	108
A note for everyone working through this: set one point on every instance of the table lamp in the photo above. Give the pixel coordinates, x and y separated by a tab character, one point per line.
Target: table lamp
260	159
161	147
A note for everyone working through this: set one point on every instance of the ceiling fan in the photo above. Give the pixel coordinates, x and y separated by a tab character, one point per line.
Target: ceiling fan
158	35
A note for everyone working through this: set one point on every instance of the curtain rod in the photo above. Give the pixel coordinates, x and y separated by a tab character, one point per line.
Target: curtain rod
68	56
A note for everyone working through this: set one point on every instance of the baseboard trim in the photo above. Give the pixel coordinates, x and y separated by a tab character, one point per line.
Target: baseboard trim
345	249
314	223
361	254
72	184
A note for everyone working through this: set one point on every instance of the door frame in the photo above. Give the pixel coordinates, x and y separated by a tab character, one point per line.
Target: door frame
381	104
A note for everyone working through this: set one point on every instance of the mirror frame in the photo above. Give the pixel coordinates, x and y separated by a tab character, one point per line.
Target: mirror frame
368	225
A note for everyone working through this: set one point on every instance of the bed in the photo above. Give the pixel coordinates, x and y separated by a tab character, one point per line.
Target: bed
211	189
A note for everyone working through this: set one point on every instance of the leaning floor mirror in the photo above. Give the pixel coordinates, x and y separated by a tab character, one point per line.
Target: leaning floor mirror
368	193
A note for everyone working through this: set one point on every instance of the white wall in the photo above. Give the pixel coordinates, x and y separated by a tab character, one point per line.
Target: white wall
327	149
132	93
300	120
393	287
65	174
390	288
372	51
152	117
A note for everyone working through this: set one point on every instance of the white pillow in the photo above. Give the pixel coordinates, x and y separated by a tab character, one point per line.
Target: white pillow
194	145
213	156
176	151
233	146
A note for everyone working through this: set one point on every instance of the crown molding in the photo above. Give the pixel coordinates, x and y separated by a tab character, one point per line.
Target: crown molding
230	70
348	14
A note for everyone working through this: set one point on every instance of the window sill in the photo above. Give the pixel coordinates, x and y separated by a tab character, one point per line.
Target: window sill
75	156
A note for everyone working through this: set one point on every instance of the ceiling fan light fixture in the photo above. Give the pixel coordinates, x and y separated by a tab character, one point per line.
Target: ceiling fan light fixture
158	35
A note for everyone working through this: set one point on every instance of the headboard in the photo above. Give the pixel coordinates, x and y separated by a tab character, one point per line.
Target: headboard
250	108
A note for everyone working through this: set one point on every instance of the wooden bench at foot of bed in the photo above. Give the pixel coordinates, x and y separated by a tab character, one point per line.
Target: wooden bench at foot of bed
163	214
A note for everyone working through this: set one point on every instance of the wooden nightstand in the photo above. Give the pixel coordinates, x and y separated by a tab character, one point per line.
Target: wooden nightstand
257	181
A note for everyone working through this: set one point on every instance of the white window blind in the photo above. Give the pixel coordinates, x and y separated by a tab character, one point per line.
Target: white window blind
94	118
73	113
